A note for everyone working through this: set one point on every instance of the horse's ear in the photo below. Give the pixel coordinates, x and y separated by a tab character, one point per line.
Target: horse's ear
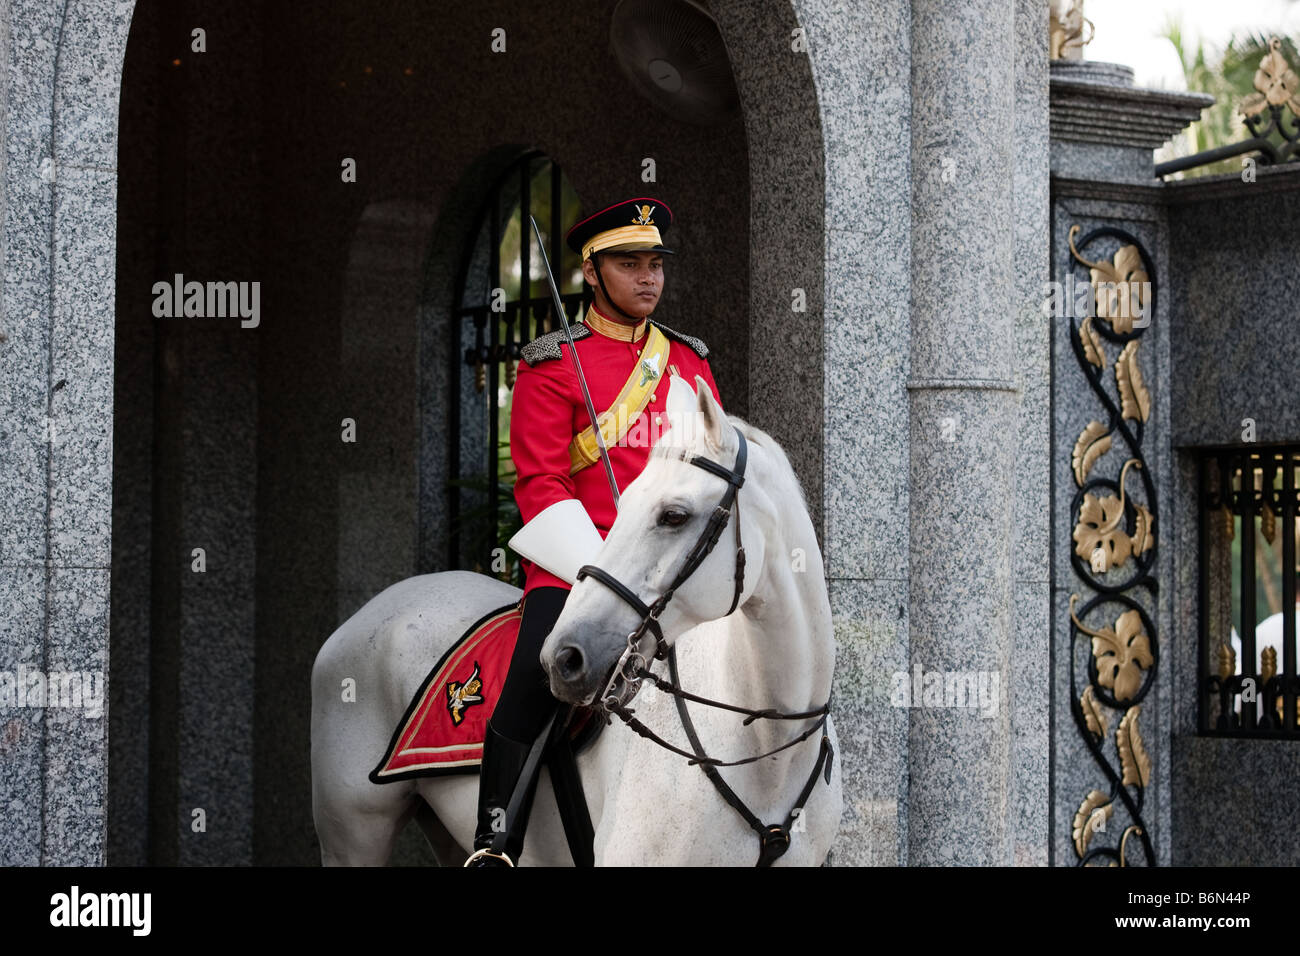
712	417
681	397
680	410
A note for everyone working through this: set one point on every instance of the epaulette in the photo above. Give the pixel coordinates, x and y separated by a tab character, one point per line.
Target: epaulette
548	346
698	347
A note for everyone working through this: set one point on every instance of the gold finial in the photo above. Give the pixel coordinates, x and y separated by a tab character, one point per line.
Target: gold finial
1267	664
1066	30
1227	661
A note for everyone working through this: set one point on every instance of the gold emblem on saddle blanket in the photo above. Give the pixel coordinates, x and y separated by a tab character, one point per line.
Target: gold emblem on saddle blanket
460	696
631	401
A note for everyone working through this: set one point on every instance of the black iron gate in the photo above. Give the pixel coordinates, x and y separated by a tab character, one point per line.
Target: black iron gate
502	302
1248	529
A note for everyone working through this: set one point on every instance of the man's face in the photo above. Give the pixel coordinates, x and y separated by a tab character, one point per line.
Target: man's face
635	280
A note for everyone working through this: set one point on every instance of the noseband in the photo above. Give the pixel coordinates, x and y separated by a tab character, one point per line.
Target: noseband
774	839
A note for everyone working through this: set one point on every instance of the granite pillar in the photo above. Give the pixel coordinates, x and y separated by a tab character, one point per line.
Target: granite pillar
56	345
962	413
1029	694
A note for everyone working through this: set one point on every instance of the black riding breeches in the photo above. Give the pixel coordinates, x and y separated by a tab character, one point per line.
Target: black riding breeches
526	700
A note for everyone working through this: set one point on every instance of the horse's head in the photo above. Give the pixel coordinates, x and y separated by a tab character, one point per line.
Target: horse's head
661	517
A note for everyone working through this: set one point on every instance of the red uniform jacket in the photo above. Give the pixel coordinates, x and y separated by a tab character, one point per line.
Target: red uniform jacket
548	410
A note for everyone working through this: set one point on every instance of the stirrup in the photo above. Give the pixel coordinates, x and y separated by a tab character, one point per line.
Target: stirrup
479	854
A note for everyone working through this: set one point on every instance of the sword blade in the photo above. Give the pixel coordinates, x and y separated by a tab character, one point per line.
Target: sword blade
582	379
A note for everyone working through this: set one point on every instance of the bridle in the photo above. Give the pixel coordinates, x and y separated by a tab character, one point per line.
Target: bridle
703	547
631	668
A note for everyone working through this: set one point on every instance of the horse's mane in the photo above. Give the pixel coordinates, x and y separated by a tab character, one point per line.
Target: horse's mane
790	486
784	470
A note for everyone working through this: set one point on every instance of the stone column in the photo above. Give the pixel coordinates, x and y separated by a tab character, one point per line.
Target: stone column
963	408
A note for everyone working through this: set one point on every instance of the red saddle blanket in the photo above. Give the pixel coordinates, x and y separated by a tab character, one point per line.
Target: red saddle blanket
444	726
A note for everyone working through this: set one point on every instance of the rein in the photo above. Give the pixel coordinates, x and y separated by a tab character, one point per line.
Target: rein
774	839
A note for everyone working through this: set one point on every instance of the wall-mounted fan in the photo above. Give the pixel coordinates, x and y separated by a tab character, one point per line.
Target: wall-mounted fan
673	53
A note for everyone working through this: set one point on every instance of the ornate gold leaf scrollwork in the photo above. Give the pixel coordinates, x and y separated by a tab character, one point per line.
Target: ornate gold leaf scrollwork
1092	349
1119	287
1123	658
1143	537
1123	841
1065	31
1121	654
1095	811
1093	442
1133	757
1276	82
1093	716
1135	399
1098	527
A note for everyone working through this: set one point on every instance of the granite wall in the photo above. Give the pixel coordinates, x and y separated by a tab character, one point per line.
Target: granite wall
923	233
1234	247
1235	355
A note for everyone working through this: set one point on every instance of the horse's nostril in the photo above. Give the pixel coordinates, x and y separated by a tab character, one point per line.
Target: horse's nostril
570	662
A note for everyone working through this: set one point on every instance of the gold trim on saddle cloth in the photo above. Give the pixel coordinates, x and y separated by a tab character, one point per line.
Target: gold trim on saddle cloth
632	400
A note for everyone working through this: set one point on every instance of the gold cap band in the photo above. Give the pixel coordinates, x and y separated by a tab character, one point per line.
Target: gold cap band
619	236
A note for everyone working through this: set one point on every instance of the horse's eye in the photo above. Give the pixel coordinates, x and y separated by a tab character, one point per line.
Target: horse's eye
673	517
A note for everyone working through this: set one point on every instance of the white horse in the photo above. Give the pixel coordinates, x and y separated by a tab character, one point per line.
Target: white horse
647	804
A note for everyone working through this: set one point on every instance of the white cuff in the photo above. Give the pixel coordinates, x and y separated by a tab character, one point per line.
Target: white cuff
561	538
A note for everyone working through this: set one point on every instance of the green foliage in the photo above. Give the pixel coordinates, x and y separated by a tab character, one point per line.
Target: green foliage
482	530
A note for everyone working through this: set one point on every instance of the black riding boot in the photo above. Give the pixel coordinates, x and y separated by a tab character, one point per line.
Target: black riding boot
503	762
522	711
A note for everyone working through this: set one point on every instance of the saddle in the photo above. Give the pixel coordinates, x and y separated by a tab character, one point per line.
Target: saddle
444	725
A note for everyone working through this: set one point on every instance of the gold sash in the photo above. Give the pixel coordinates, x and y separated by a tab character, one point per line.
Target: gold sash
632	400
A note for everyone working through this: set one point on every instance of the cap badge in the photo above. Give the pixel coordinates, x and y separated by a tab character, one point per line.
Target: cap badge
644	218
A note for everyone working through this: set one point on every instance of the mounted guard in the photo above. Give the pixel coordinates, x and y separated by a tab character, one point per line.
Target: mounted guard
616	360
746	637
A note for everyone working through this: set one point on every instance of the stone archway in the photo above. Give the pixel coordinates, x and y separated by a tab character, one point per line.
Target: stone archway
787	240
812	216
